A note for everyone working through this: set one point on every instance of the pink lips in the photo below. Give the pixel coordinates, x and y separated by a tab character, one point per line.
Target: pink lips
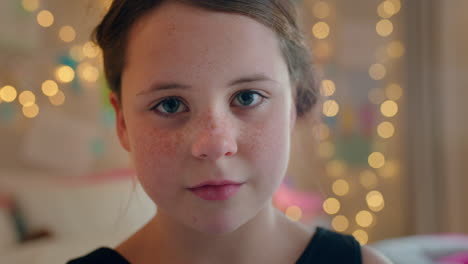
216	190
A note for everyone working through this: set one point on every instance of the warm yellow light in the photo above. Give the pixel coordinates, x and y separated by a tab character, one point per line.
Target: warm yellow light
90	50
322	131
322	49
45	18
330	108
386	129
393	91
376	160
31	111
390	169
294	213
67	34
321	10
27	98
49	88
328	88
340	223
375	200
64	74
76	52
395	49
336	168
331	206
8	93
364	218
30	5
376	95
384	8
384	27
58	99
389	108
396	5
377	71
368	179
361	236
340	187
326	149
321	30
88	72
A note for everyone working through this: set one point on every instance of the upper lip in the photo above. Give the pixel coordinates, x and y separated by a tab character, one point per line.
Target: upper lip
214	183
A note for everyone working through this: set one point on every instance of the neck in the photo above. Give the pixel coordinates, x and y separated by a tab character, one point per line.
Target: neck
165	241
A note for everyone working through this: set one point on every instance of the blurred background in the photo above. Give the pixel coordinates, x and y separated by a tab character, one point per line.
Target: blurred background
387	160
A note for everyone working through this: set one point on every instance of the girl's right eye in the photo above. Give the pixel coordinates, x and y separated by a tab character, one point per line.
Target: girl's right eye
169	106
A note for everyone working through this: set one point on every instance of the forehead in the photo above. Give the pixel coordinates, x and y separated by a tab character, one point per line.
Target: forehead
180	41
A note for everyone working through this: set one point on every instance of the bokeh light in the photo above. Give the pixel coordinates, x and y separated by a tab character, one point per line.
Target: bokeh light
376	160
377	71
384	27
361	236
340	187
45	18
331	206
393	91
27	98
386	130
67	34
340	223
31	111
375	201
389	108
321	30
58	99
30	5
330	108
294	213
368	179
49	88
328	88
336	168
8	93
64	74
321	9
364	218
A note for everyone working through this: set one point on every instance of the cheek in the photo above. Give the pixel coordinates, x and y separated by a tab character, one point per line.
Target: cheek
155	155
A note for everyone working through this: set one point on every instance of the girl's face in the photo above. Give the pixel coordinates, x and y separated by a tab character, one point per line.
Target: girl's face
205	96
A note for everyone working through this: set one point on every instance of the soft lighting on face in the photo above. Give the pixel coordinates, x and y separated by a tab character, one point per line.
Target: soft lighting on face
294	213
330	108
328	88
389	108
65	74
321	10
340	187
321	30
361	236
384	27
8	93
393	91
376	160
376	95
368	179
88	72
386	130
67	34
27	98
377	71
336	168
90	50
331	206
340	223
49	88
45	18
58	99
30	5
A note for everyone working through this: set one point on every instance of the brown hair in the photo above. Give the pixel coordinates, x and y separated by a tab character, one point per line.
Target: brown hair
278	15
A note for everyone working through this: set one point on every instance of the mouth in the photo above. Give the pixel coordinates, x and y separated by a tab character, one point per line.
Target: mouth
216	191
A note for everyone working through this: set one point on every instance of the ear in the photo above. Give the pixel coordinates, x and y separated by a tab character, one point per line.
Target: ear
120	121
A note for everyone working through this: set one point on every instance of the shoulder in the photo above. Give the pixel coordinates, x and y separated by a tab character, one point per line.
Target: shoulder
371	256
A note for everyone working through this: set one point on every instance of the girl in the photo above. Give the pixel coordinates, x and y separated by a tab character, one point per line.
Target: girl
206	95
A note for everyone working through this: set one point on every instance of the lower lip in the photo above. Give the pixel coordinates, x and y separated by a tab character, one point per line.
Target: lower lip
217	193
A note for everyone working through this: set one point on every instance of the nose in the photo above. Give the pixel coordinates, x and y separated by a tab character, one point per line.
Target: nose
215	140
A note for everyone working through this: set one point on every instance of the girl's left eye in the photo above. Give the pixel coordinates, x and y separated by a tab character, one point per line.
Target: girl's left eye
249	98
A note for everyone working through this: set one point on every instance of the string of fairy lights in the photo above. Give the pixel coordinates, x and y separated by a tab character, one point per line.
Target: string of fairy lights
85	55
379	167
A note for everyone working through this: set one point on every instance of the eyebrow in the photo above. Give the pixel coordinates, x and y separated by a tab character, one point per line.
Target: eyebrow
259	77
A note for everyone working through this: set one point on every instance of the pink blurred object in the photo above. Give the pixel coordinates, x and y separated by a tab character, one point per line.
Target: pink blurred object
310	203
459	258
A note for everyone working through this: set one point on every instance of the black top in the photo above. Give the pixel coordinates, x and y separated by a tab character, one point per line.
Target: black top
325	247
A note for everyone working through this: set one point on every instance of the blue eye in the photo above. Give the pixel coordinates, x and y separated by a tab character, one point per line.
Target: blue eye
247	98
169	106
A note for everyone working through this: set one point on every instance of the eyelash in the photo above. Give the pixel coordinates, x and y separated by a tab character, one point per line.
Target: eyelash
169	115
